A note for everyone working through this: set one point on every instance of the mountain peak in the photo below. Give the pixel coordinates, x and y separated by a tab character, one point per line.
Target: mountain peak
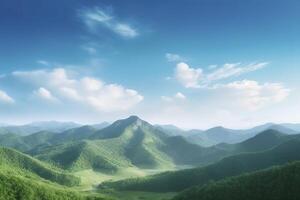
133	118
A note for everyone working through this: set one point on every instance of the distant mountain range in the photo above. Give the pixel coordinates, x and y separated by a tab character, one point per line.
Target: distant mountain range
52	154
220	134
205	138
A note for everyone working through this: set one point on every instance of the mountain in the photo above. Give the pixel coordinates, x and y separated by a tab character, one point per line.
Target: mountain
101	125
271	184
129	142
27	129
81	155
54	126
16	162
229	166
295	127
125	143
265	140
26	143
20	130
172	130
220	134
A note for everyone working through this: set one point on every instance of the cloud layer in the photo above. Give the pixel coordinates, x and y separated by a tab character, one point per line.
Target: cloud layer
59	85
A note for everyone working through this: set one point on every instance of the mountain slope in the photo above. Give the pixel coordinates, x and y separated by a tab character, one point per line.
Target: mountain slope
11	160
230	166
82	155
26	143
272	184
133	143
16	187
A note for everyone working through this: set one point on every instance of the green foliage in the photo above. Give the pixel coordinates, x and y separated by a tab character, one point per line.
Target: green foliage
20	163
278	183
16	187
25	143
230	166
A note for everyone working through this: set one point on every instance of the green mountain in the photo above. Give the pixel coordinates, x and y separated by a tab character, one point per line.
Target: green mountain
126	143
272	184
230	166
130	142
81	155
262	141
26	143
12	161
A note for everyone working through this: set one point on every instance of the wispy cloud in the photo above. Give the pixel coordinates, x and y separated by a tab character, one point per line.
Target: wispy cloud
45	94
96	17
228	70
177	96
195	77
43	62
172	57
5	98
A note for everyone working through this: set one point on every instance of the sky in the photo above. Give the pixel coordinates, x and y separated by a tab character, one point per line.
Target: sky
190	63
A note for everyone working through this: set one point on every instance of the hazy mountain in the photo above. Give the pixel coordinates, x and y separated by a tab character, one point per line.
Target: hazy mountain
229	166
275	183
172	130
220	134
20	130
54	126
27	129
101	125
295	127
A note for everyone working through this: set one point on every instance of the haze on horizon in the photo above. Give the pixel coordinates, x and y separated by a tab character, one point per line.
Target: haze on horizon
173	63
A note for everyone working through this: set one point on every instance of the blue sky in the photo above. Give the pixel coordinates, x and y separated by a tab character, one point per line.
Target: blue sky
192	63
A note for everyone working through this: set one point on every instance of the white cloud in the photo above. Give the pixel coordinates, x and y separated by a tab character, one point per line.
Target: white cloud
187	76
178	96
195	78
174	57
125	30
43	62
86	90
95	17
89	49
45	94
252	95
4	97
